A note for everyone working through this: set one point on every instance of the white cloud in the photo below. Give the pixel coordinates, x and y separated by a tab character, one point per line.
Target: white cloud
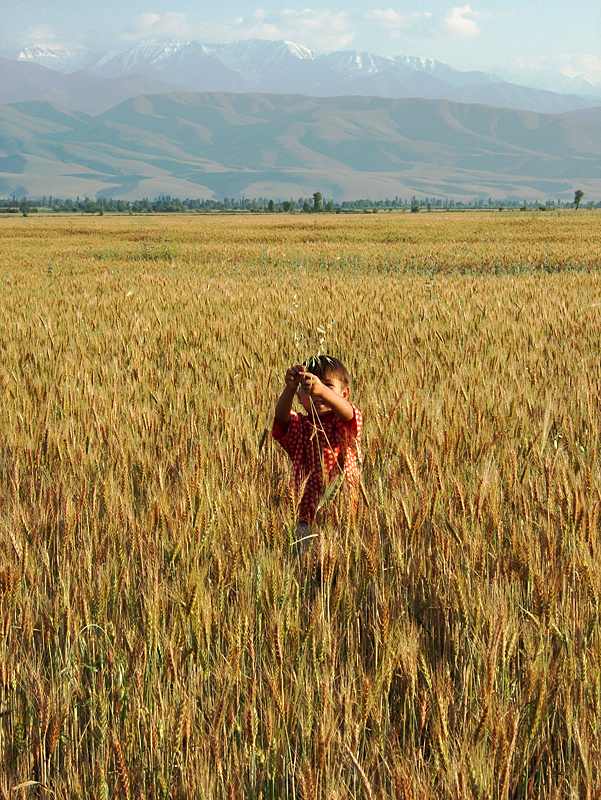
173	24
460	21
390	20
43	34
321	30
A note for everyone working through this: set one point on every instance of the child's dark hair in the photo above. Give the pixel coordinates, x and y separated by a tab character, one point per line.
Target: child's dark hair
328	366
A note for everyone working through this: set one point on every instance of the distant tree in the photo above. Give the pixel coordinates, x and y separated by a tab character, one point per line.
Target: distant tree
414	208
287	205
271	206
307	208
317	201
578	195
329	206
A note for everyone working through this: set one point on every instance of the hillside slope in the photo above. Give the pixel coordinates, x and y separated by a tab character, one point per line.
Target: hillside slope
200	145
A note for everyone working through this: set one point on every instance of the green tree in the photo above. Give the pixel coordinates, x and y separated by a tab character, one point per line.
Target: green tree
329	206
578	195
317	201
307	209
271	206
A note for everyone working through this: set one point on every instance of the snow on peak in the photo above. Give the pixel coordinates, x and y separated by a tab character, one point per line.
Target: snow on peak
56	57
262	50
300	51
148	54
419	63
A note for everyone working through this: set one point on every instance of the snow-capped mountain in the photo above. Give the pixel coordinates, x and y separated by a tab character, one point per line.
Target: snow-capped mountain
60	59
142	58
284	67
254	60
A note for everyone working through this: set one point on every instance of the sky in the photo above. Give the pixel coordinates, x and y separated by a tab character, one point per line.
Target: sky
533	35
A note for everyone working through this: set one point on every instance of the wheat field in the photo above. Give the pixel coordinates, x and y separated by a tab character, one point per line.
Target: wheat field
159	636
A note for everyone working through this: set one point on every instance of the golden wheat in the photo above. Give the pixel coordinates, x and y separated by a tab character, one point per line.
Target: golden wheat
160	637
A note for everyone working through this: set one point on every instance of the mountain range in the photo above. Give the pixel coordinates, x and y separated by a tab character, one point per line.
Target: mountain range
95	82
81	91
216	144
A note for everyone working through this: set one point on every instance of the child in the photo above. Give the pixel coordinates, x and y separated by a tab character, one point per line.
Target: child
324	443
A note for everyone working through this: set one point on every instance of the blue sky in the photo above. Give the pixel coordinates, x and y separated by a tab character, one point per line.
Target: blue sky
481	34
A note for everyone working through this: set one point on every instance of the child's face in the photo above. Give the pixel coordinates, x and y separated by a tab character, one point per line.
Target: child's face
315	405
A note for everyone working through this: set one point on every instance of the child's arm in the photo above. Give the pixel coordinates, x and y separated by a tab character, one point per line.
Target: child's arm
337	402
284	405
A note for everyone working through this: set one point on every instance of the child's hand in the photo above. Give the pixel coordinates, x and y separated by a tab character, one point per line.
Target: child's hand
311	384
294	376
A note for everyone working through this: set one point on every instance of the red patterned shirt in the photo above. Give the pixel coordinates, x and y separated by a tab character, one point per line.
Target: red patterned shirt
321	447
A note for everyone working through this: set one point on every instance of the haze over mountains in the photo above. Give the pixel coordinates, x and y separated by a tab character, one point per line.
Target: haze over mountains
275	119
276	67
81	91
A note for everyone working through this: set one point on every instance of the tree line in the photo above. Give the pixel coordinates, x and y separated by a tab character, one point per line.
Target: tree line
306	205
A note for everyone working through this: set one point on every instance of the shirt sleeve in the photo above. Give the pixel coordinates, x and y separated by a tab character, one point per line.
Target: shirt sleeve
354	425
289	439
